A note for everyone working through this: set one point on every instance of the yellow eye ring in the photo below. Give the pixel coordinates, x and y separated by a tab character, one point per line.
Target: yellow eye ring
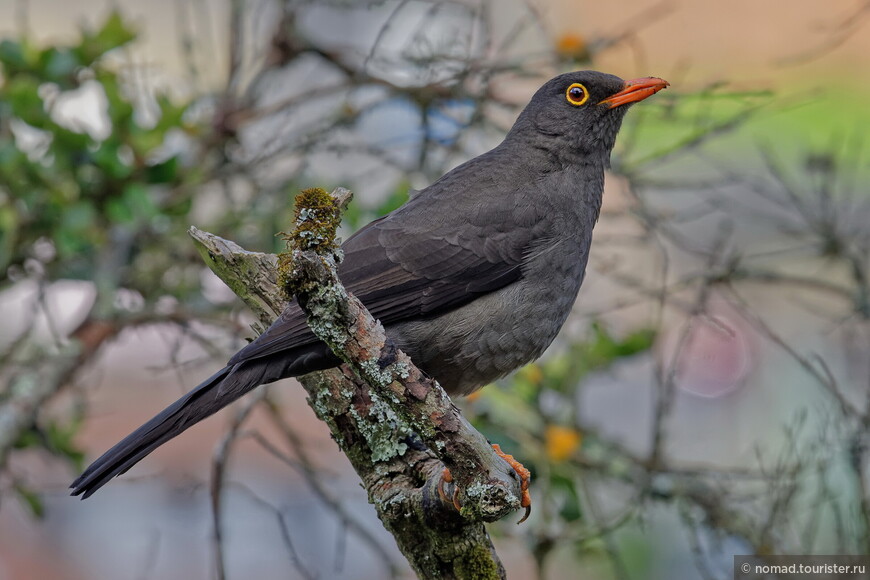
577	94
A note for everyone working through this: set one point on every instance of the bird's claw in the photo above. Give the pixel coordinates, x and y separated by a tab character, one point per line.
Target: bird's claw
447	477
525	478
523	473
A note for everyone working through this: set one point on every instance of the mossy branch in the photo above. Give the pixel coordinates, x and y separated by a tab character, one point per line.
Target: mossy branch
398	427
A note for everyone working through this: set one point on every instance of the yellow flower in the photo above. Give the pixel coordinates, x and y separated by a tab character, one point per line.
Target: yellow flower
562	442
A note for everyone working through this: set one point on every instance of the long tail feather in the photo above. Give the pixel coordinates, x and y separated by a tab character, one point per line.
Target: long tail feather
213	394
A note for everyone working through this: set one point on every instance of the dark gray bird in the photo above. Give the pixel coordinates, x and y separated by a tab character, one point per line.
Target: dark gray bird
472	278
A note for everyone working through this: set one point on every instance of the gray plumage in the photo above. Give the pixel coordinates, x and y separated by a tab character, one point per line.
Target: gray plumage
473	277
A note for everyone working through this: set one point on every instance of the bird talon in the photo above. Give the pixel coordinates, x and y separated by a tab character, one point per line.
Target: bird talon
525	478
528	513
447	477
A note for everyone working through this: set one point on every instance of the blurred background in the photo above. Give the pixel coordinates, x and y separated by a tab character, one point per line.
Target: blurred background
709	396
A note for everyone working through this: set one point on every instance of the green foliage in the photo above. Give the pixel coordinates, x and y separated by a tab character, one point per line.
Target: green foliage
105	203
31	499
82	191
56	438
562	373
95	43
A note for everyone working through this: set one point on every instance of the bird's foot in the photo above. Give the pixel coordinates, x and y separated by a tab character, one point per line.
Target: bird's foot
523	473
525	478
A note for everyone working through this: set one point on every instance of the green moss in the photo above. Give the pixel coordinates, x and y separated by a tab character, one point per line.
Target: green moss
317	217
476	563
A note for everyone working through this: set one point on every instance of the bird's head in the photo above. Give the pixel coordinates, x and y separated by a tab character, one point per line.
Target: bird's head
581	112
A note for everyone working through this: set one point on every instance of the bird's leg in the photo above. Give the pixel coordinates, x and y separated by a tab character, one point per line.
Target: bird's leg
523	473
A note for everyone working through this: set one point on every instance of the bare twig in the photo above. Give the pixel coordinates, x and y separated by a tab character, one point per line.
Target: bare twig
285	528
218	478
306	468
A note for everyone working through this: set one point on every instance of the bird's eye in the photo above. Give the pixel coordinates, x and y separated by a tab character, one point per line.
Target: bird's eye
577	94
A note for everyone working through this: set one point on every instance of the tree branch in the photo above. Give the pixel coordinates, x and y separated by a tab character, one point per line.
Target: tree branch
392	422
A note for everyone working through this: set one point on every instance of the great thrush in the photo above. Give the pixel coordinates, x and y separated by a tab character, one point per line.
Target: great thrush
473	277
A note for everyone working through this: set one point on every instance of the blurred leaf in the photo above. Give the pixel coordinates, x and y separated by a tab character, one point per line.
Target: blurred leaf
164	172
8	234
171	115
60	441
108	159
120	109
566	488
31	499
74	142
79	216
68	243
56	439
22	94
28	439
604	349
59	65
562	373
77	227
396	199
637	342
145	141
12	57
119	212
112	34
532	373
138	199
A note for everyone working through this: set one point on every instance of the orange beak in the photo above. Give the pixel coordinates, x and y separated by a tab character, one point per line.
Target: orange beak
636	90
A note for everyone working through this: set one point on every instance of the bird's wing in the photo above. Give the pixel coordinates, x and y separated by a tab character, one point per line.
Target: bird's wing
404	269
400	275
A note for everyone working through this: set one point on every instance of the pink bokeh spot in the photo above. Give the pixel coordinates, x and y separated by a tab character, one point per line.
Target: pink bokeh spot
716	357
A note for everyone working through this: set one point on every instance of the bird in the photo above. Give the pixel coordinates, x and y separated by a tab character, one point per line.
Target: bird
473	277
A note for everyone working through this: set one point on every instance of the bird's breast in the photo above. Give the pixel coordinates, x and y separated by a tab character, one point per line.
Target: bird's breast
497	333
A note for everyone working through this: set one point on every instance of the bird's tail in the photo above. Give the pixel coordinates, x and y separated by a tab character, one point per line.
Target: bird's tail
215	393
